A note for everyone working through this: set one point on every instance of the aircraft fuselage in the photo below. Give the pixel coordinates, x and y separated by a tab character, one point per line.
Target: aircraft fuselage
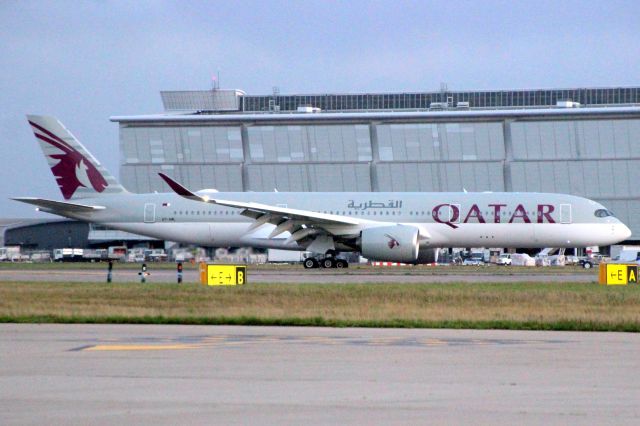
450	219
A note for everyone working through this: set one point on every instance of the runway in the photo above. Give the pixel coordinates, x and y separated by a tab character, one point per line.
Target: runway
384	275
110	374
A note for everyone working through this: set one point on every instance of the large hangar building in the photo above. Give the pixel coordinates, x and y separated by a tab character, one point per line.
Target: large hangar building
577	141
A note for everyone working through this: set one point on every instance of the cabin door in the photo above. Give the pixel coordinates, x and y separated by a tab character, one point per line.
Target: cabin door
149	213
565	213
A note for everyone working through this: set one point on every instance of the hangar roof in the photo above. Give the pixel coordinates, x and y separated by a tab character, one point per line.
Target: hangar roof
516	114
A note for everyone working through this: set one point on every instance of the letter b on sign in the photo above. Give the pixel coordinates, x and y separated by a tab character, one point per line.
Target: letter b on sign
240	273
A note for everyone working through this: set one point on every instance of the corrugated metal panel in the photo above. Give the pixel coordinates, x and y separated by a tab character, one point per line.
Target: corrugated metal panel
201	100
181	145
128	178
339	143
478	176
309	177
450	141
144	178
591	158
588	139
592	179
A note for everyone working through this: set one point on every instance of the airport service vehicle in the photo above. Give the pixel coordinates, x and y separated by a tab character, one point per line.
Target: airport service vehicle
571	260
504	259
285	256
405	227
10	254
117	253
590	261
68	254
628	255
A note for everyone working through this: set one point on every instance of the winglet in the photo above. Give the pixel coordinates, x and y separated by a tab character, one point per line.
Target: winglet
179	189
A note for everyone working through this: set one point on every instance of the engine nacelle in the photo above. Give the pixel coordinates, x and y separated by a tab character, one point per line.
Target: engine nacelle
427	255
398	243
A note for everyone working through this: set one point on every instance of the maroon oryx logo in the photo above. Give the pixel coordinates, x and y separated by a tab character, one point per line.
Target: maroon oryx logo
392	241
73	169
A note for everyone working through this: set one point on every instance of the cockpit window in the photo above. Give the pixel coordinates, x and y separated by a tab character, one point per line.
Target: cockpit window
603	213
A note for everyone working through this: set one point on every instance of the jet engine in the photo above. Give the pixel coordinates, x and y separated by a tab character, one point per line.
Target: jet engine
398	243
427	255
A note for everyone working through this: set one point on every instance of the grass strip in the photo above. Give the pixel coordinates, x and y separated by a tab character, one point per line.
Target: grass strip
523	306
354	269
566	325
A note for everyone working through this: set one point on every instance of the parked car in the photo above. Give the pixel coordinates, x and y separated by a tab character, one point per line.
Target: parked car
590	261
572	260
473	261
504	259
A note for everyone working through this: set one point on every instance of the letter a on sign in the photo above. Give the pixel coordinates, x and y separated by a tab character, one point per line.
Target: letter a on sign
632	274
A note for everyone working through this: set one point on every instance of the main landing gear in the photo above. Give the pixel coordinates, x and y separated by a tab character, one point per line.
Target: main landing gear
325	262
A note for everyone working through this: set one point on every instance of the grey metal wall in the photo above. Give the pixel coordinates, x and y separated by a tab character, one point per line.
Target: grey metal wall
595	158
49	235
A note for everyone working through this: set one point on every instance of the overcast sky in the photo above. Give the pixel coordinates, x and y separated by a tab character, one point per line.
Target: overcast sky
86	61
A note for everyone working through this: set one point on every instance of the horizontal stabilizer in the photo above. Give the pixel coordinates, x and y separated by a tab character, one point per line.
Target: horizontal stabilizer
58	206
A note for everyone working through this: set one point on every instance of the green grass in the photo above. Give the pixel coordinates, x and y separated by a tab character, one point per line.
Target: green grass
531	306
352	270
80	266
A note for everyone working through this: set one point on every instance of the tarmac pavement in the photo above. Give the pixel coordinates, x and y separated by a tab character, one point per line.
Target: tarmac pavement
149	374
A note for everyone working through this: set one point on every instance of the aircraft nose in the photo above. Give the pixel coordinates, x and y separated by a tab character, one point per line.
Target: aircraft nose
623	231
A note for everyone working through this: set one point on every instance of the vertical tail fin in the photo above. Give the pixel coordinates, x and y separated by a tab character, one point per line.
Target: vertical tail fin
77	172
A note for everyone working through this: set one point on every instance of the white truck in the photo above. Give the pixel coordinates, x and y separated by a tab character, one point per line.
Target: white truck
286	256
117	253
504	259
11	254
68	255
155	255
628	254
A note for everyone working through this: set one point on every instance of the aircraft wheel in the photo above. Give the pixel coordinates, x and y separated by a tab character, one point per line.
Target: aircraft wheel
310	263
328	262
341	263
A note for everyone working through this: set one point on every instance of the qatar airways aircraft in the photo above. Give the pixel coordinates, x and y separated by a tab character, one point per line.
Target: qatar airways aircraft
404	227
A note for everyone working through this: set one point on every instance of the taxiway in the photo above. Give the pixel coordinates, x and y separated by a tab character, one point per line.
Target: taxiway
111	374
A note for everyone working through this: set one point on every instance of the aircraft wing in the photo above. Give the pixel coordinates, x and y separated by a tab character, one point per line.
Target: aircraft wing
58	206
301	224
256	210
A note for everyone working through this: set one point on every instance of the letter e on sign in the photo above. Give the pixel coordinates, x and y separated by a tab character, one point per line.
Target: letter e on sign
616	274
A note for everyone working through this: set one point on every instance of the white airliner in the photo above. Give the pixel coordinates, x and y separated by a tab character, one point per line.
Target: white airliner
404	227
